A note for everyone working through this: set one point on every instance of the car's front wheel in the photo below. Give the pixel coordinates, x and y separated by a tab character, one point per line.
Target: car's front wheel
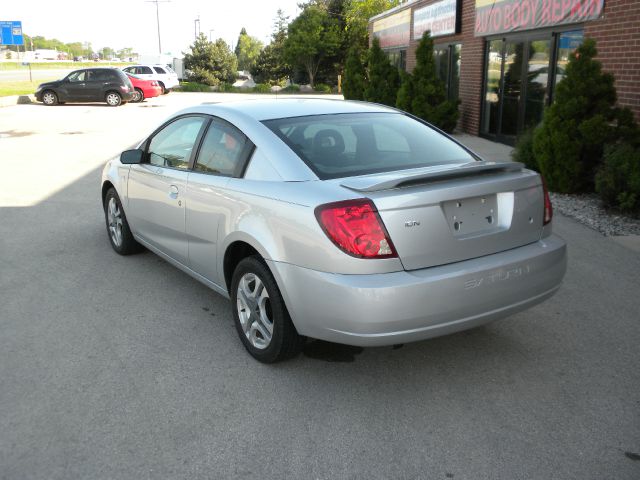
49	98
261	317
120	235
113	99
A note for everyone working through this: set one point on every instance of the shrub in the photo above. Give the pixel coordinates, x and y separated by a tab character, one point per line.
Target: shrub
354	76
618	179
424	93
524	151
405	93
228	88
569	143
322	87
384	79
293	88
194	87
203	76
262	88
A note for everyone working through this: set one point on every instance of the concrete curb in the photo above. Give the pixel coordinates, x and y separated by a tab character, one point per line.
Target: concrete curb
17	100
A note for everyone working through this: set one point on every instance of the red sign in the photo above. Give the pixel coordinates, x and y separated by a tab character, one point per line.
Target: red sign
501	16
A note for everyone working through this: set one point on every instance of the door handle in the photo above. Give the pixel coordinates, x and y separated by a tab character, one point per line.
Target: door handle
173	191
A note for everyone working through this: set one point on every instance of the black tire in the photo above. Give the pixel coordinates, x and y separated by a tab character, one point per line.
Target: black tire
128	244
138	96
285	341
165	91
113	99
49	98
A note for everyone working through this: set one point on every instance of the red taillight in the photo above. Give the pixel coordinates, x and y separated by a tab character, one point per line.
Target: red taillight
548	208
356	228
155	84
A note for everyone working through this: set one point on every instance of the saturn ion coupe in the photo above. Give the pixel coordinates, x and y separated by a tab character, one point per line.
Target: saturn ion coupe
342	221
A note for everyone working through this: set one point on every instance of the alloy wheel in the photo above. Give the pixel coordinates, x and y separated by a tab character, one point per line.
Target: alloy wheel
49	98
254	310
114	218
113	99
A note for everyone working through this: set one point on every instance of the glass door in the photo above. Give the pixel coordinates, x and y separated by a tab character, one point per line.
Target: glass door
516	81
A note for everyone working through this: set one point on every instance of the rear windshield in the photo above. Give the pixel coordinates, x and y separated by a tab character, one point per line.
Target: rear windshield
345	145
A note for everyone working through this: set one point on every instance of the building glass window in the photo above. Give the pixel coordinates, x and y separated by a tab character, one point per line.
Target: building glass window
521	72
447	58
398	58
567	43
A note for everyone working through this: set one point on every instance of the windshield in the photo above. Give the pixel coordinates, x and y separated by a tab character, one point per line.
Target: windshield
345	145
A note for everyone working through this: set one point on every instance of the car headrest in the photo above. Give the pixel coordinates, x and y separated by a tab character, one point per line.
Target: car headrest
328	142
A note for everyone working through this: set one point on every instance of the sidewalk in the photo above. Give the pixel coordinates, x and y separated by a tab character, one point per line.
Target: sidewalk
487	149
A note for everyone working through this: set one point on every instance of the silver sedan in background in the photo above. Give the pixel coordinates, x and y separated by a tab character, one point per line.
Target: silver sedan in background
343	221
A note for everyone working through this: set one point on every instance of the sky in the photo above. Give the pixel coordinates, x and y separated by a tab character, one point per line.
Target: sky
132	23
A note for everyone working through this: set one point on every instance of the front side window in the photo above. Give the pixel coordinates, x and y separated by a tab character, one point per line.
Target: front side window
344	145
224	150
172	146
77	76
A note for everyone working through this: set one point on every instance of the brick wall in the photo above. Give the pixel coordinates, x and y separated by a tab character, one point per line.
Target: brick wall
618	42
618	39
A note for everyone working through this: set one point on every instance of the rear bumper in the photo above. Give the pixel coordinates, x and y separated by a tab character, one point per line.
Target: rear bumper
400	307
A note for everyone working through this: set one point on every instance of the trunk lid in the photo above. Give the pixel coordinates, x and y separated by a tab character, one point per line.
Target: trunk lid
445	214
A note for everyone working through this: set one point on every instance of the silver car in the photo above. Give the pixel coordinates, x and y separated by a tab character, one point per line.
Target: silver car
342	221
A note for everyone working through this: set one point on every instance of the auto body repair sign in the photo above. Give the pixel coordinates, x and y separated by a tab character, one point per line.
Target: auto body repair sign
501	16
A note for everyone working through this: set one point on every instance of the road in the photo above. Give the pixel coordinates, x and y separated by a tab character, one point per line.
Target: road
23	74
121	368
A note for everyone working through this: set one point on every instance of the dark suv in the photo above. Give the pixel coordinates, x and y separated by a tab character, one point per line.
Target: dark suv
88	85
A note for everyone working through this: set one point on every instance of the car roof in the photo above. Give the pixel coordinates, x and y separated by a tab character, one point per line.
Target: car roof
271	109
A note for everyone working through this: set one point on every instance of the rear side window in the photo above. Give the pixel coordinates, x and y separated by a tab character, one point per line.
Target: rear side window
159	70
172	146
224	150
143	71
344	145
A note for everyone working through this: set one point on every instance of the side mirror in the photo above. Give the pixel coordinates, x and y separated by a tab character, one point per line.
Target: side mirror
130	157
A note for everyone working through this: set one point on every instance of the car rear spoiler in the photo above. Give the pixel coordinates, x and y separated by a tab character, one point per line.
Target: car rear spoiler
400	178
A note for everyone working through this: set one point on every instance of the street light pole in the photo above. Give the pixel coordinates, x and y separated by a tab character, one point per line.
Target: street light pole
158	19
196	27
210	35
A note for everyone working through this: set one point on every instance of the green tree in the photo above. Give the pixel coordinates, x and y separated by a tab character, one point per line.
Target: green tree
384	78
243	32
211	62
569	144
354	76
357	14
425	93
312	37
247	51
271	66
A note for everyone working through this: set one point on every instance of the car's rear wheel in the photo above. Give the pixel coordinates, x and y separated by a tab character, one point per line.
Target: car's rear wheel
113	99
261	317
138	95
49	98
165	90
120	235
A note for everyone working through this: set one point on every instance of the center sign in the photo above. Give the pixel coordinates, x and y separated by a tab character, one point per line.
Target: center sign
438	18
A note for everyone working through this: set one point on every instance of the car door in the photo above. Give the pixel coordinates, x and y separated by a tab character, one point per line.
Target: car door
145	72
93	85
156	188
74	88
223	155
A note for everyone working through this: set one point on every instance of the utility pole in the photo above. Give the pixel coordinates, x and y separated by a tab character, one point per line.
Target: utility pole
158	19
210	35
196	27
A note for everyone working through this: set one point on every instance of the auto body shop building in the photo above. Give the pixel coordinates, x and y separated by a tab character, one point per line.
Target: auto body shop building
503	58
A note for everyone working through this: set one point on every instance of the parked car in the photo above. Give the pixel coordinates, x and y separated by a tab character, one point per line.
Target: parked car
108	85
144	88
163	74
342	221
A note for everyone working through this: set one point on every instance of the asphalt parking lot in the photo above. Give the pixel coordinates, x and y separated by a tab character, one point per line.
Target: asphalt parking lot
125	368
